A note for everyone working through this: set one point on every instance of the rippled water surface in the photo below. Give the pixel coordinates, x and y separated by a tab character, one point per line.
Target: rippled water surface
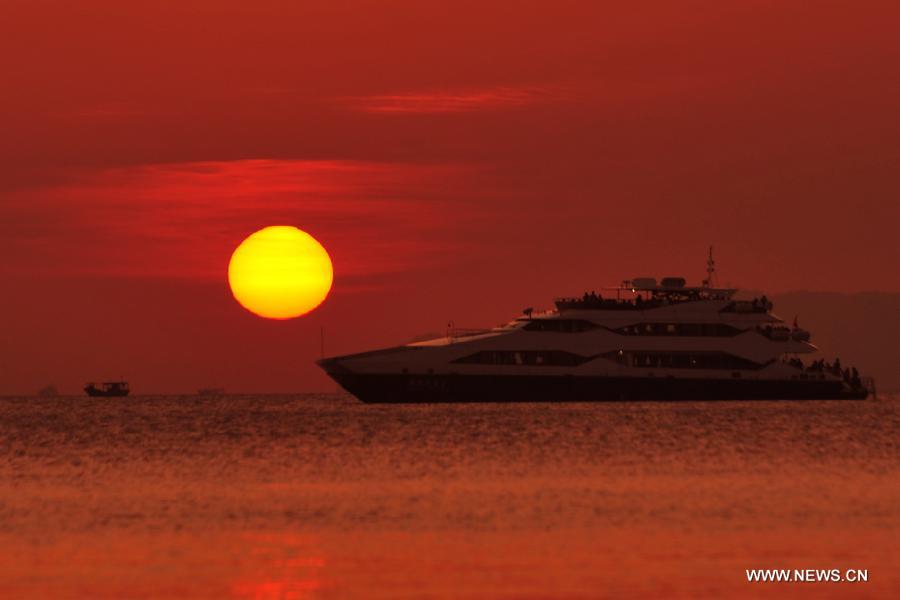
320	496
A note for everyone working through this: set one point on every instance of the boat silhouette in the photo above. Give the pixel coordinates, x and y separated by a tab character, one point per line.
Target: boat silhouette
48	391
107	389
641	340
211	392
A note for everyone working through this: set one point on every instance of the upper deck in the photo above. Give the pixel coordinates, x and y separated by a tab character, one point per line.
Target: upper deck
643	293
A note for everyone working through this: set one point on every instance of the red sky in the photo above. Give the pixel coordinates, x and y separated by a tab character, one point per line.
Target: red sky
458	160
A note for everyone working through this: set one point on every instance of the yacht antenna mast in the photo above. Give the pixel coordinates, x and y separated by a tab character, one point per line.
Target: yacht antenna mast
710	269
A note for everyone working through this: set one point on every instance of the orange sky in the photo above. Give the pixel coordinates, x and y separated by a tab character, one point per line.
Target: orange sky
459	160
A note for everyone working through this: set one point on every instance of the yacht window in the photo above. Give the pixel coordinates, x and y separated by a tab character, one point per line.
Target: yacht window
686	360
523	357
560	325
680	329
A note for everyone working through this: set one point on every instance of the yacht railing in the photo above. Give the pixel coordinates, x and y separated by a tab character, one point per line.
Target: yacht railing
748	306
457	332
593	303
775	333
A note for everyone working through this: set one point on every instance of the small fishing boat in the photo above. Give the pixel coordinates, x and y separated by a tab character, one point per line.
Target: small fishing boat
49	391
107	389
211	392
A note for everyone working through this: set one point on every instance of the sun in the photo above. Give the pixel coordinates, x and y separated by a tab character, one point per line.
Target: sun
280	272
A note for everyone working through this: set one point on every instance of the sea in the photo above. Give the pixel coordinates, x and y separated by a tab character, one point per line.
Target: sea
321	496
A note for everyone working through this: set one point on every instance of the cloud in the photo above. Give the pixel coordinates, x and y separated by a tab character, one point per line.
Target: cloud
453	101
184	219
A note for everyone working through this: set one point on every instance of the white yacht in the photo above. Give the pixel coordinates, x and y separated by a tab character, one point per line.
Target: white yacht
642	340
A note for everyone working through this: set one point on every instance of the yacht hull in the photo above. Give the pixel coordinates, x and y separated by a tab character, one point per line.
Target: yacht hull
457	388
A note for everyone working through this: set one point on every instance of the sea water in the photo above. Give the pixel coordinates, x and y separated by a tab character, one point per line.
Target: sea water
319	496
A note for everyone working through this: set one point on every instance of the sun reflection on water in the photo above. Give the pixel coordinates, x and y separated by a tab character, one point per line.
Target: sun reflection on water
279	567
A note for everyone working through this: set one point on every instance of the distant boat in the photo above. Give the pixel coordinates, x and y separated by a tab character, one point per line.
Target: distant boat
49	391
211	392
107	389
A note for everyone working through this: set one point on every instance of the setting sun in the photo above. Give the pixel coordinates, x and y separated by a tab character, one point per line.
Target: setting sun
280	272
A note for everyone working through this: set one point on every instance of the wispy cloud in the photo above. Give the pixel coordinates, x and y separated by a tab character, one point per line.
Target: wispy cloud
183	220
454	101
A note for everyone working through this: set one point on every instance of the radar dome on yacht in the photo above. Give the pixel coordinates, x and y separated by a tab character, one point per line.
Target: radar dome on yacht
673	282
